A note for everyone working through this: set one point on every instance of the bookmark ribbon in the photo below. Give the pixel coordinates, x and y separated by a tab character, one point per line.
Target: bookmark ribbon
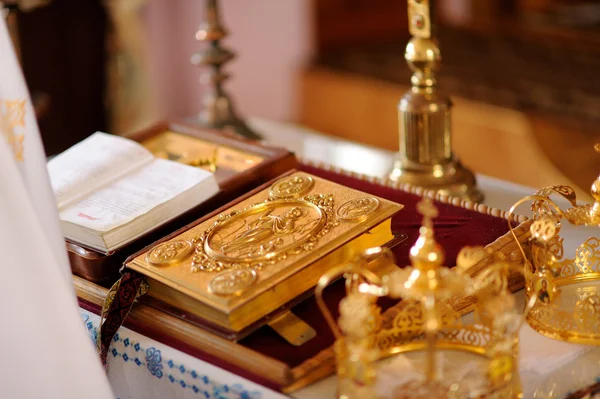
119	301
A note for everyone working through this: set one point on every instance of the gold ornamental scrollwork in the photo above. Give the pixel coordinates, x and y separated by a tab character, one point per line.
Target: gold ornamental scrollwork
264	233
541	207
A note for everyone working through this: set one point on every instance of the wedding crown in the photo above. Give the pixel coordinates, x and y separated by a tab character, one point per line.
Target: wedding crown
425	349
567	286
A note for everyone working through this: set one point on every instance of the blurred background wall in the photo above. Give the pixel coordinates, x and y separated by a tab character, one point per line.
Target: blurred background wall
523	73
272	38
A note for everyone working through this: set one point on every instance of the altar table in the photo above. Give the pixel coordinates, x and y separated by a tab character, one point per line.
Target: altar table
140	367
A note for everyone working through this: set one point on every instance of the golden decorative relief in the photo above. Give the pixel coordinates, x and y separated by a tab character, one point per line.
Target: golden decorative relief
587	312
359	315
169	253
358	208
264	233
469	256
405	325
232	282
291	187
471	335
581	215
408	324
421	389
587	256
543	229
555	248
541	206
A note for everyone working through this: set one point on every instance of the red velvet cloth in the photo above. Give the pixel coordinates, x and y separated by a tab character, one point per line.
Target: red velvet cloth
455	228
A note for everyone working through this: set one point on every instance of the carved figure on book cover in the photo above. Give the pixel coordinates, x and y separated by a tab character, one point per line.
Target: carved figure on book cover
264	233
277	226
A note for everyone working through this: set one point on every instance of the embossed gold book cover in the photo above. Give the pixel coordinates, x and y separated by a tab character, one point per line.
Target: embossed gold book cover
237	267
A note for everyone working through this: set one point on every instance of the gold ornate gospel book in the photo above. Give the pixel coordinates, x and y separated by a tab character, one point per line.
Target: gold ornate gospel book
235	270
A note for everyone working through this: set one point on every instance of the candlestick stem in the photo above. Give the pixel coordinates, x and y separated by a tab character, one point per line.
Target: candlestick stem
218	111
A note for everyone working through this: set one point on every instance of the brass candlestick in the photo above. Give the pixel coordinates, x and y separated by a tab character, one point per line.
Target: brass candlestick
425	157
218	111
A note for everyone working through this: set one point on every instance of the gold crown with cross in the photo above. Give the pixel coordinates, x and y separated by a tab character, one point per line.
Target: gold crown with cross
566	283
426	350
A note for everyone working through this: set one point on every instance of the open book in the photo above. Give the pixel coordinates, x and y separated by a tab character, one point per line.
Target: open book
111	190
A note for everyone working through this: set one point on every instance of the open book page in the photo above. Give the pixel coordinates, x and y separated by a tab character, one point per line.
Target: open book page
92	163
136	194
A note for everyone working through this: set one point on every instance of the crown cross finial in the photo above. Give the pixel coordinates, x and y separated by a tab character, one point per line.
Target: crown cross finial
426	208
426	253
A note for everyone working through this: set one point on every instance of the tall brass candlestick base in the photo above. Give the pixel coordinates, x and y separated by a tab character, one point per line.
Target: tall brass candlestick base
425	157
218	111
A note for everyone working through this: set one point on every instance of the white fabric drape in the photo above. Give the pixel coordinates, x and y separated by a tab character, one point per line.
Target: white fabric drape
45	349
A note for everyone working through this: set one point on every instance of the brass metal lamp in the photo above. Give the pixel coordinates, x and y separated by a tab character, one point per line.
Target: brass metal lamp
218	111
425	157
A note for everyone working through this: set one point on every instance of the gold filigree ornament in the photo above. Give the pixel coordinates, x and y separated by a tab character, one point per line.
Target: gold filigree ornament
567	288
426	351
268	232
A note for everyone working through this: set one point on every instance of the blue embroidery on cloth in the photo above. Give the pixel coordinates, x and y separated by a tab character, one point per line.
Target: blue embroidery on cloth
178	374
92	331
154	359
